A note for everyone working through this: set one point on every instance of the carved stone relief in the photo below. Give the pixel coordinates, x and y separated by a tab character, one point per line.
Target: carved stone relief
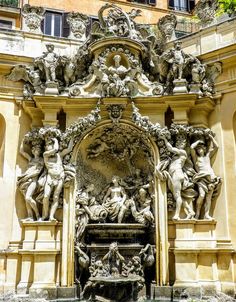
206	11
78	23
32	18
48	152
187	168
117	70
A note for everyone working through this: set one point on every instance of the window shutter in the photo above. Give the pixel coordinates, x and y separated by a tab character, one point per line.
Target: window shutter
65	26
171	4
42	25
191	5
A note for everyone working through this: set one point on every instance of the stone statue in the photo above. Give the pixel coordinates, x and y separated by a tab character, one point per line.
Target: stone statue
147	255
115	79
87	208
27	182
176	178
208	183
82	259
167	25
115	260
142	210
176	60
55	174
78	23
115	112
49	62
117	70
198	73
33	16
115	201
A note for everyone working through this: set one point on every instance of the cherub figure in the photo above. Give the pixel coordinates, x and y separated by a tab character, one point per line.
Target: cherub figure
49	61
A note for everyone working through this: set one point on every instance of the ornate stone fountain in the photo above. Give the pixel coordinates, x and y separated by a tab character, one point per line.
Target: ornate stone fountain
115	175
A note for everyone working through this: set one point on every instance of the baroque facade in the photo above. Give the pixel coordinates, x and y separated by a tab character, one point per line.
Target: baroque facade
117	159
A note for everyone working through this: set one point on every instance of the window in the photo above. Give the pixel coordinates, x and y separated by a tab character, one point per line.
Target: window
54	24
182	5
5	24
150	2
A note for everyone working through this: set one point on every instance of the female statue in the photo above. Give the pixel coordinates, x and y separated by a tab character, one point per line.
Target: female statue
27	182
114	200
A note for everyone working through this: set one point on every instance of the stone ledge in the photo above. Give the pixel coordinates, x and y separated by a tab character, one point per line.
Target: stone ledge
39	252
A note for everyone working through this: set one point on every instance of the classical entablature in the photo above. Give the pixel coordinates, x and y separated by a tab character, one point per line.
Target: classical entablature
131	161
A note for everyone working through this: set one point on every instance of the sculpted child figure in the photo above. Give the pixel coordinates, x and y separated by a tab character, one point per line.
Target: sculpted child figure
208	183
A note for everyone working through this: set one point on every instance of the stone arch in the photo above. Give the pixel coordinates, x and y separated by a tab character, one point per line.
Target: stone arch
2	142
160	214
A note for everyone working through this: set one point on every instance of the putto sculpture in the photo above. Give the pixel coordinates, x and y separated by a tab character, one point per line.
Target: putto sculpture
116	70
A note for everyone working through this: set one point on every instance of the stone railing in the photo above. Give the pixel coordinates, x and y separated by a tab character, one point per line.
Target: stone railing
31	45
211	38
15	42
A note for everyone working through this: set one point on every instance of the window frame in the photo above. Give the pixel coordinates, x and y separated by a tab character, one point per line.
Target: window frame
145	2
12	20
180	8
53	14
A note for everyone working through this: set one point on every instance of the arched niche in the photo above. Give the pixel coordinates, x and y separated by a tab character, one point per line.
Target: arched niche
98	169
2	142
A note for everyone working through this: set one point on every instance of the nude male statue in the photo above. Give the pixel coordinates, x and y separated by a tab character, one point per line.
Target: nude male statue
55	175
205	177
